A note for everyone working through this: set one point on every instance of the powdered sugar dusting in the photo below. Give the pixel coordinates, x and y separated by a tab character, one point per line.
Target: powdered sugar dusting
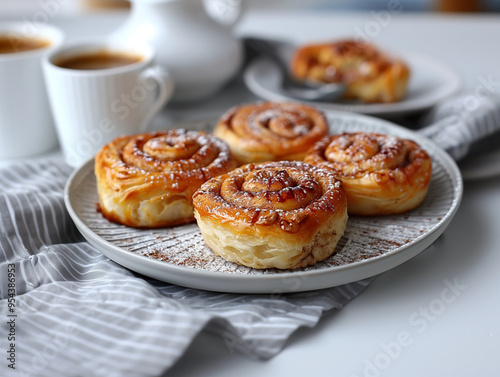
365	238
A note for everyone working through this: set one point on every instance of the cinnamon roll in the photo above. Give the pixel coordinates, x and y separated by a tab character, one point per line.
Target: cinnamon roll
148	180
381	174
369	74
269	131
283	214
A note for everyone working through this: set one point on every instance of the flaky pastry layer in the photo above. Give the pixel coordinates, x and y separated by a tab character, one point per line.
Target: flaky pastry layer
369	74
270	131
382	174
148	180
283	214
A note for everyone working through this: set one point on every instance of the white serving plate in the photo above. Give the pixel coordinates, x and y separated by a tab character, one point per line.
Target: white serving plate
430	82
370	245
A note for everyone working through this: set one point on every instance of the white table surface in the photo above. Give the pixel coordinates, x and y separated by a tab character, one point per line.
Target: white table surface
408	322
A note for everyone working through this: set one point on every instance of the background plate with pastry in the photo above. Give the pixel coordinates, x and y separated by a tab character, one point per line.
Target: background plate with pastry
369	246
430	82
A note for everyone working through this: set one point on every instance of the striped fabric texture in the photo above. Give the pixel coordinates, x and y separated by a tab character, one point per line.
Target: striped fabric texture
458	124
79	314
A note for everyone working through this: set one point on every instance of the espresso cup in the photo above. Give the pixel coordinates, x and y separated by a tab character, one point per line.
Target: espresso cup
99	90
26	123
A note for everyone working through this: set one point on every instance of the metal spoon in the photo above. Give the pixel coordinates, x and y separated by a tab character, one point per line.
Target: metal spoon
280	53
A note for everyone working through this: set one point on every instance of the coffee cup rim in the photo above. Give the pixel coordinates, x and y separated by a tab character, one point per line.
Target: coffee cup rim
91	45
51	32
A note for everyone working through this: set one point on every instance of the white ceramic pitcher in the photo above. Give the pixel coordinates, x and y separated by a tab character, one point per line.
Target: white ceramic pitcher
192	39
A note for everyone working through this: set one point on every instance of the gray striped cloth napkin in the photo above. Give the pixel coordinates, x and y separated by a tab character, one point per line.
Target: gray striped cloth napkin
69	311
76	313
460	124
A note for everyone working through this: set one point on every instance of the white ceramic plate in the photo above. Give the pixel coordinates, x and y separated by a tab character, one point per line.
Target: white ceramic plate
369	246
431	81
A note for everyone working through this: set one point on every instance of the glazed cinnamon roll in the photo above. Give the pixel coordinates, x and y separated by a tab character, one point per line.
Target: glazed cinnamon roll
381	174
148	180
283	214
269	131
369	74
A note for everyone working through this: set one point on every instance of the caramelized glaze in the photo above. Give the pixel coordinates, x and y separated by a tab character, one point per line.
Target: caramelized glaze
271	130
158	169
293	196
369	74
375	167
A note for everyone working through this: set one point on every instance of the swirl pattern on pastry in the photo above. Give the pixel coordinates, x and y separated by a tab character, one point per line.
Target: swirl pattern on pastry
148	180
382	174
283	214
269	131
369	74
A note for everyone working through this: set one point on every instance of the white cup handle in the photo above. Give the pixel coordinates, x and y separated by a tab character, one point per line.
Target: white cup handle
165	86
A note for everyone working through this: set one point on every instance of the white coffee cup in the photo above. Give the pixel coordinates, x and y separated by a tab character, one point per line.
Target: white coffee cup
92	107
26	124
